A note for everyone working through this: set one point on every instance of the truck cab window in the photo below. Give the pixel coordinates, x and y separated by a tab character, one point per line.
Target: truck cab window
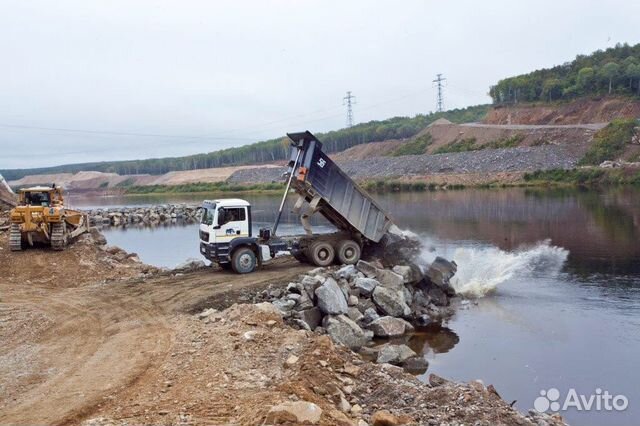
235	215
207	216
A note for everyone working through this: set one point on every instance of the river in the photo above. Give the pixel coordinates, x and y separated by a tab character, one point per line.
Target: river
553	275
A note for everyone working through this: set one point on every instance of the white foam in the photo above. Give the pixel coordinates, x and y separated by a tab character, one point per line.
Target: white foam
482	269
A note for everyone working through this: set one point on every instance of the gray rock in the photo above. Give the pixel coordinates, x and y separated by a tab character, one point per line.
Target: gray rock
345	331
366	268
394	354
388	327
317	271
438	297
365	285
298	293
310	284
347	272
390	302
405	271
344	286
296	288
416	364
408	295
354	314
330	298
370	315
440	273
284	305
364	304
301	324
312	317
190	265
390	279
353	300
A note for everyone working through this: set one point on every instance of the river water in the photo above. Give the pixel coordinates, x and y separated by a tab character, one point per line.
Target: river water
553	276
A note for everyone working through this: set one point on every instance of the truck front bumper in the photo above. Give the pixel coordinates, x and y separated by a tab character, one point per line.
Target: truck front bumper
218	253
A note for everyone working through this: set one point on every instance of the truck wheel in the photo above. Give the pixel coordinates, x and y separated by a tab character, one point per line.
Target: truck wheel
348	252
243	260
321	253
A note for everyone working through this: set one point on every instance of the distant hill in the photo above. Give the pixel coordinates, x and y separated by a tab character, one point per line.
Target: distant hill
267	151
604	72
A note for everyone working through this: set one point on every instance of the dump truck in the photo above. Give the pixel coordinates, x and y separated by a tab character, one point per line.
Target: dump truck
41	217
227	238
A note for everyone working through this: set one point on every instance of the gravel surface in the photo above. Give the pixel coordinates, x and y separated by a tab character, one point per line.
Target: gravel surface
520	159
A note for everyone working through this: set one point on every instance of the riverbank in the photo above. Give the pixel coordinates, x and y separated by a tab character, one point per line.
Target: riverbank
586	176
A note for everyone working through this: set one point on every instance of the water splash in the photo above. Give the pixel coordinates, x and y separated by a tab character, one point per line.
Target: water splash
482	270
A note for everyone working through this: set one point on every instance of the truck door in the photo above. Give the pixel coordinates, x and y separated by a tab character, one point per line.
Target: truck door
233	222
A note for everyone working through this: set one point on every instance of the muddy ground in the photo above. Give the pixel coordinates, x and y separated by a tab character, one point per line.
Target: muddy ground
93	336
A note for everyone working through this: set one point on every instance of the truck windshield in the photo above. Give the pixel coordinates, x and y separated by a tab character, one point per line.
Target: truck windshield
207	215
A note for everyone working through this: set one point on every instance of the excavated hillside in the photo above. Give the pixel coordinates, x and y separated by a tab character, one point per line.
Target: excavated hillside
574	137
581	111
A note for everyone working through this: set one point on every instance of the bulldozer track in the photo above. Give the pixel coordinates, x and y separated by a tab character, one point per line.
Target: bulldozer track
58	236
15	238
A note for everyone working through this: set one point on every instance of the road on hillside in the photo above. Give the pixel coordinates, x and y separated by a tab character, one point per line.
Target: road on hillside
590	126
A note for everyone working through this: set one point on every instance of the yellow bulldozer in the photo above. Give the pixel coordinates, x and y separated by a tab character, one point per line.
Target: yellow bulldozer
41	217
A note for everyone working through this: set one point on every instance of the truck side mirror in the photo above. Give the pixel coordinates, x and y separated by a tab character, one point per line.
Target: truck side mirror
222	216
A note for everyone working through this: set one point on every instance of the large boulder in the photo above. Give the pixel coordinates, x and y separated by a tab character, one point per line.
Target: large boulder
388	327
347	272
311	283
345	331
391	302
365	285
395	354
312	317
331	299
366	268
440	273
390	279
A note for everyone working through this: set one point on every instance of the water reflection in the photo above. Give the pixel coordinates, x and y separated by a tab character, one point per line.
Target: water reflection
433	339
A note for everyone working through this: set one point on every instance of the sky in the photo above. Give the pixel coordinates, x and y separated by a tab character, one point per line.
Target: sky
113	80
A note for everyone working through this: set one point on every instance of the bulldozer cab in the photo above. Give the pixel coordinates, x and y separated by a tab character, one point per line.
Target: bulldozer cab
41	196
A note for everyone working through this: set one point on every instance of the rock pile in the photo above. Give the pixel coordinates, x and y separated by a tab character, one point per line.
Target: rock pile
149	216
519	159
356	303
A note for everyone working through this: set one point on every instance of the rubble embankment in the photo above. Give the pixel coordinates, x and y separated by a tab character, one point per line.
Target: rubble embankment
486	161
145	216
355	304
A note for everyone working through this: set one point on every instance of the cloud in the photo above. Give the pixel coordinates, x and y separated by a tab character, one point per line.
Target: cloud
256	69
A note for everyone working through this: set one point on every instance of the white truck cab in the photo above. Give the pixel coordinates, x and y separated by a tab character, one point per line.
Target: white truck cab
226	236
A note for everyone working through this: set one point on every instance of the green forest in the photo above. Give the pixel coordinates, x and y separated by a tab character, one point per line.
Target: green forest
615	70
270	150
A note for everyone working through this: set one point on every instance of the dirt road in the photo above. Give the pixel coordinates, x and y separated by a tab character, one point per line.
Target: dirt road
76	329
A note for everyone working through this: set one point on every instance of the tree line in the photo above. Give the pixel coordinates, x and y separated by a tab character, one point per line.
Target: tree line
269	150
615	70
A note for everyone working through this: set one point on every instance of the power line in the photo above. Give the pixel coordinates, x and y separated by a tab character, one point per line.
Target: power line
440	102
347	100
